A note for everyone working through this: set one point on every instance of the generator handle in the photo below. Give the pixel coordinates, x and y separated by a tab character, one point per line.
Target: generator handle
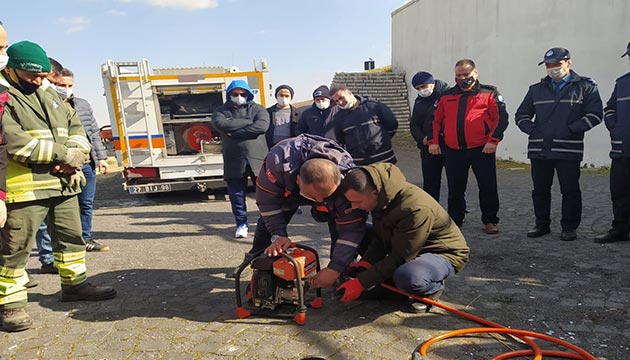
318	291
237	279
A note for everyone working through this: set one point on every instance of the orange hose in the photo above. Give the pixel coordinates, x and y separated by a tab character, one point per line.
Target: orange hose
492	327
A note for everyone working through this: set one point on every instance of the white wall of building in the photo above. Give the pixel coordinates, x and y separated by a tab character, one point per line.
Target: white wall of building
507	39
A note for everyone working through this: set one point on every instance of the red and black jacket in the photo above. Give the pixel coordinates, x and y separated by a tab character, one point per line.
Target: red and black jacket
470	119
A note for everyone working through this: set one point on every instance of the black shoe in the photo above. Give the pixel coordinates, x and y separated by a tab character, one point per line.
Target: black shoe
568	235
418	307
48	269
87	292
93	246
612	236
538	231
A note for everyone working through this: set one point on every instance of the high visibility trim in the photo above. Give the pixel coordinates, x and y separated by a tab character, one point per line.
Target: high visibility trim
26	151
81	141
347	243
567	150
625	98
45	152
617	142
40	133
68	257
536	140
11	274
569	141
264	188
141	142
17	294
62	132
541	102
271	213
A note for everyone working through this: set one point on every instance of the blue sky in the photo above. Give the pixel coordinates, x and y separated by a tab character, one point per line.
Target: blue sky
304	42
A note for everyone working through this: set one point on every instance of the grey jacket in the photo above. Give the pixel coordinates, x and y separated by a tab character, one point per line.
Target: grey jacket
84	110
242	137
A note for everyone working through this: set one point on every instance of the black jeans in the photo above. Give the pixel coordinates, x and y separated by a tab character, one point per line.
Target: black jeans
569	178
458	163
620	194
432	175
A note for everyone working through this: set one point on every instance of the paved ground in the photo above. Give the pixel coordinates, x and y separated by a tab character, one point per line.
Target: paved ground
169	256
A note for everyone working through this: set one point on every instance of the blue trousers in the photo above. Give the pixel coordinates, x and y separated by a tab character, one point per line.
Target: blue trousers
237	189
423	275
569	179
44	244
86	201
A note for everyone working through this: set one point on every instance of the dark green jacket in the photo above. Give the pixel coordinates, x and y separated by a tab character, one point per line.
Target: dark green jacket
408	222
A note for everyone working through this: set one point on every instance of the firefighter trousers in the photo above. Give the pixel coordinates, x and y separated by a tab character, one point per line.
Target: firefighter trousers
18	238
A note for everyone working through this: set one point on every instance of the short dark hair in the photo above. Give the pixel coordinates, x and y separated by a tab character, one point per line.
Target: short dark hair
463	62
320	171
55	67
358	180
337	88
66	72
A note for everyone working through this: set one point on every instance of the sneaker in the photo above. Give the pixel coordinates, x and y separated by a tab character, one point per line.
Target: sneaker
241	231
88	292
418	307
48	269
15	320
93	246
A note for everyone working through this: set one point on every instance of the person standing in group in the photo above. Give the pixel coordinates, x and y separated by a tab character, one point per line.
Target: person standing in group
283	117
242	124
555	114
64	86
617	120
364	127
473	118
47	147
421	125
318	119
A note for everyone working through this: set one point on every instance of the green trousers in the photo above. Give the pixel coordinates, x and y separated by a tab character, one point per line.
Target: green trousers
18	238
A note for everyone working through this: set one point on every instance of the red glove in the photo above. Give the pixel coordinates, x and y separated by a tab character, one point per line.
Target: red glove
356	267
351	290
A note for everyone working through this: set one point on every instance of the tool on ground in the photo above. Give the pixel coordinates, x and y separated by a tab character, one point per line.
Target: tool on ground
278	284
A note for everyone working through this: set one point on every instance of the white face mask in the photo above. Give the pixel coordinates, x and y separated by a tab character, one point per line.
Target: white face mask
556	73
46	84
63	91
238	100
323	105
425	93
283	101
349	104
4	59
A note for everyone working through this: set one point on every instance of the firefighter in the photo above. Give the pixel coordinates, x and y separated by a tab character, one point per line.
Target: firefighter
47	147
417	244
307	170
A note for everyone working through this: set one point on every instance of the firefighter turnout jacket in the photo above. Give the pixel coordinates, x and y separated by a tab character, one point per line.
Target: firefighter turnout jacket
277	191
469	119
38	130
557	120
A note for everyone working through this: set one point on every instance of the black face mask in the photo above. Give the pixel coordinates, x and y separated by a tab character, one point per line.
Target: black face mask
465	83
27	87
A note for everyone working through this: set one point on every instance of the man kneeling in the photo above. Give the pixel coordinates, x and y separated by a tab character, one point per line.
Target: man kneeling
418	245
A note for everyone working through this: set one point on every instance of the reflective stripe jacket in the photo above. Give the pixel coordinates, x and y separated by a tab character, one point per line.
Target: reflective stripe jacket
556	121
39	129
366	131
408	222
469	119
4	97
277	191
617	118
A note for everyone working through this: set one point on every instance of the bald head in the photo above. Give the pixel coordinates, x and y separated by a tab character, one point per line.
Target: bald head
318	179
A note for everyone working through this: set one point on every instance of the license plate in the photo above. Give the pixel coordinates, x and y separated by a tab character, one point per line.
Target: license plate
151	188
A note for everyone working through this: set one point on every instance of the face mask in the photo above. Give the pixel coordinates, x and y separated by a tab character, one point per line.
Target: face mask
323	105
27	87
465	83
46	84
425	93
349	104
238	100
63	91
283	101
4	59
556	73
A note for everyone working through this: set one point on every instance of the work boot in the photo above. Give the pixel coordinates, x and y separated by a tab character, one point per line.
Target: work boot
15	320
88	292
538	231
48	269
612	236
418	307
568	235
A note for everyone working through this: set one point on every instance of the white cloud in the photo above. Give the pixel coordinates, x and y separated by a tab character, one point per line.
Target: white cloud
75	24
181	4
116	12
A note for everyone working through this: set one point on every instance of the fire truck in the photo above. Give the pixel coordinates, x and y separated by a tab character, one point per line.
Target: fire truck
161	125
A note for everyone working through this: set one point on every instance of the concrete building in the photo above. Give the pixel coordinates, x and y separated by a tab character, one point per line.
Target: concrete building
507	39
